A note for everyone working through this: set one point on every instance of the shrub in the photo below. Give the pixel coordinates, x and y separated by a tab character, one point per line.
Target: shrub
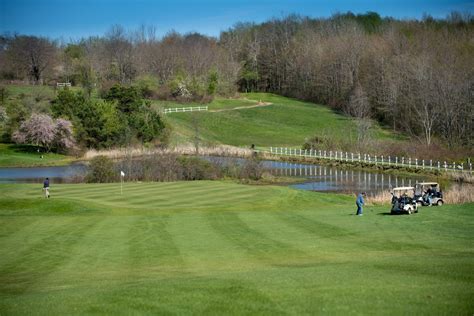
101	170
147	85
252	169
212	83
147	123
129	99
195	168
3	115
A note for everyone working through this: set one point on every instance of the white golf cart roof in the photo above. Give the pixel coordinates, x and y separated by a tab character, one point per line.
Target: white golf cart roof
403	188
428	183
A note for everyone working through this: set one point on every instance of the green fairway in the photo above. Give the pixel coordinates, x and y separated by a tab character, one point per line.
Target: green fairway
26	156
223	248
287	122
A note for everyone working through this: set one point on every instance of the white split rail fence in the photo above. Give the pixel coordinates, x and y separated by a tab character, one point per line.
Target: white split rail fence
371	159
63	84
185	109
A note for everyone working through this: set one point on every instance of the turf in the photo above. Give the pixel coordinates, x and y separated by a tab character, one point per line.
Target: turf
27	156
224	248
287	122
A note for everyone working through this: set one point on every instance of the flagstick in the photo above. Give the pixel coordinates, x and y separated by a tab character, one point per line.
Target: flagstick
121	185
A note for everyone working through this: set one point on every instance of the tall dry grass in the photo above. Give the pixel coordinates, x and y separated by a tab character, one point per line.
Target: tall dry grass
380	198
456	194
463	177
219	150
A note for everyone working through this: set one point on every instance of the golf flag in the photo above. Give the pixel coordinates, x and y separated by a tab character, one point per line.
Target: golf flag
122	174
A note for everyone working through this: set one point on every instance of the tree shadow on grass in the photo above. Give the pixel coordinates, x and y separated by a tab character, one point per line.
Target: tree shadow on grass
20	148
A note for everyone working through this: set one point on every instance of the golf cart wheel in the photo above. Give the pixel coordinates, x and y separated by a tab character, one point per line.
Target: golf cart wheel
439	203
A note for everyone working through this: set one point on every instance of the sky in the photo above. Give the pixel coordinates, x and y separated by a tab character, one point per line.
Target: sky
73	19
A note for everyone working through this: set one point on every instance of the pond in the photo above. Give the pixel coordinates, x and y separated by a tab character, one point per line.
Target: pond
59	174
313	177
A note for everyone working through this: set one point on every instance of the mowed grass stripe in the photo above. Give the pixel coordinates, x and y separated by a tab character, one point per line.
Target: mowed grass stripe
206	196
102	254
139	189
50	249
152	247
258	245
201	247
209	199
183	196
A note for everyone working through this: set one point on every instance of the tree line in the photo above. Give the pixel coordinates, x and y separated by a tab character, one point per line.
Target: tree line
416	76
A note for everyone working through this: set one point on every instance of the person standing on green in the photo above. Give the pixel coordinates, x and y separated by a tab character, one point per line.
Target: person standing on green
46	188
360	203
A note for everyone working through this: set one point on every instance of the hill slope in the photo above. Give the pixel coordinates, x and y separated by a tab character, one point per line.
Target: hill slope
286	122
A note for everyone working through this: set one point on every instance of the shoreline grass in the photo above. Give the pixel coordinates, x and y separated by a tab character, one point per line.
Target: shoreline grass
216	247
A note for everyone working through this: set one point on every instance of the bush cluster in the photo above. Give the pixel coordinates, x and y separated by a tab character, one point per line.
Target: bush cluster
170	167
121	118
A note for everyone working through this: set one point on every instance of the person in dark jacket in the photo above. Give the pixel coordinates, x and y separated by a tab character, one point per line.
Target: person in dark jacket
46	188
360	202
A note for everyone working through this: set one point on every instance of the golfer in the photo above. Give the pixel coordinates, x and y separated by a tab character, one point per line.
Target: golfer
360	203
46	188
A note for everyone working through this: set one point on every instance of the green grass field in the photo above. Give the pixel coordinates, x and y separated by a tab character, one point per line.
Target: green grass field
12	155
287	122
224	248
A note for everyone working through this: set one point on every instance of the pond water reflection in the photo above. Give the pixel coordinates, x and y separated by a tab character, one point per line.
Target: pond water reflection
313	177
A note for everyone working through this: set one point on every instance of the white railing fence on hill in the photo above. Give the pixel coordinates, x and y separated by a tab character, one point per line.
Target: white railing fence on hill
371	159
186	109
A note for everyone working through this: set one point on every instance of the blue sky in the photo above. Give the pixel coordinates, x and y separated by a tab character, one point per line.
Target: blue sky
80	18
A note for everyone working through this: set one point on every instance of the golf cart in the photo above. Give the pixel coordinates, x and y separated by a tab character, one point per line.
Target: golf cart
403	201
428	193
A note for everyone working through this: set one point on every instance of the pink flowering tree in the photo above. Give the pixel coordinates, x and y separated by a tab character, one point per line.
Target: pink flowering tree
63	137
42	130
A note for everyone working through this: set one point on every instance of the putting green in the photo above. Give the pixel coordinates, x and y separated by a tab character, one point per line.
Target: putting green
223	248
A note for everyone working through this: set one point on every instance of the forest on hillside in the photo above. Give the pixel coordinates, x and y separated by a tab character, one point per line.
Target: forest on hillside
414	76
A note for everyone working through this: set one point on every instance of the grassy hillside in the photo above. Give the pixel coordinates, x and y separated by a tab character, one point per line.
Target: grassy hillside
256	118
27	156
224	248
286	122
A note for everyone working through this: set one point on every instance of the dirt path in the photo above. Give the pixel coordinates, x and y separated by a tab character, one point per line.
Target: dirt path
259	104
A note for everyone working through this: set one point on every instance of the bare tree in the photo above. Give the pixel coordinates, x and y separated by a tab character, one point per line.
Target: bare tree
33	55
118	50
